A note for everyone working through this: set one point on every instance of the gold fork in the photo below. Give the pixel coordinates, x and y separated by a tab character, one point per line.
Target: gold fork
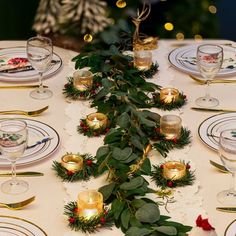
26	113
216	81
17	205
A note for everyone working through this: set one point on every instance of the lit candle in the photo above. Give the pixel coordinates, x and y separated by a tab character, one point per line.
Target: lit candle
90	203
82	80
168	95
142	59
174	170
97	120
72	162
170	126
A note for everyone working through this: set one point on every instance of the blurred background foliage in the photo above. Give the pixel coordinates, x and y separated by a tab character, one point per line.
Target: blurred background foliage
168	19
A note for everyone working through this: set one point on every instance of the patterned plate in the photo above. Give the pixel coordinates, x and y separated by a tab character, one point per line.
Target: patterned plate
231	229
37	131
7	54
210	129
13	226
184	59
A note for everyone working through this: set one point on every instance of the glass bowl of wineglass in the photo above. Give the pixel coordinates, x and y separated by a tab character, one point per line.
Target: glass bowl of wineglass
209	62
227	152
13	142
39	52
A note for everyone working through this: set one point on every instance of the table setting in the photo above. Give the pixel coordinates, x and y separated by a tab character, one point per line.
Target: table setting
77	134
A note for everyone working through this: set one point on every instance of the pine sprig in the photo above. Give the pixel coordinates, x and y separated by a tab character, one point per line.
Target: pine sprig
181	101
147	74
161	181
92	225
89	169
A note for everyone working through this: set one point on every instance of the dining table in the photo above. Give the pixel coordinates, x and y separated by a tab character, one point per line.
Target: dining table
63	115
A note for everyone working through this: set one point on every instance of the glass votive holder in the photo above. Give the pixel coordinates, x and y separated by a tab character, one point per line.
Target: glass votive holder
170	126
174	170
97	120
72	162
83	80
168	95
90	203
142	59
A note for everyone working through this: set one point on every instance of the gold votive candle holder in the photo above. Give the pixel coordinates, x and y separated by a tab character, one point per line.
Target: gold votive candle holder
174	170
83	80
90	203
72	162
97	120
170	126
168	95
142	59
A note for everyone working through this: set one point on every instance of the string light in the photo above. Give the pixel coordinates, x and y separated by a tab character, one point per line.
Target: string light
212	9
88	38
121	3
169	26
180	36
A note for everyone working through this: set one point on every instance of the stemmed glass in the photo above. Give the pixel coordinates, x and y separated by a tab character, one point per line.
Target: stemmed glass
209	61
227	152
39	52
13	142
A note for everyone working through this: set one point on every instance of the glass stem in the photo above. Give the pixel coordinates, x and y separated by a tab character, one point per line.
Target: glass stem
13	171
207	89
40	82
232	183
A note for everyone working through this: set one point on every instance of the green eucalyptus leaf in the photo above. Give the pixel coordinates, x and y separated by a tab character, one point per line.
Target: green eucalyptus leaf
124	120
117	207
148	213
137	203
147	122
102	93
121	154
167	230
147	167
114	135
125	218
102	151
136	141
134	222
131	158
135	231
152	115
107	190
106	83
132	184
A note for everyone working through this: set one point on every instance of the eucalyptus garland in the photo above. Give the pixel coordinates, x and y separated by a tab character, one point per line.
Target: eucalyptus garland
89	169
181	101
70	91
77	223
161	181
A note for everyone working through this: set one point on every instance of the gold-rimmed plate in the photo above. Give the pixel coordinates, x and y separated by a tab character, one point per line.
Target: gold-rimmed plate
14	226
231	229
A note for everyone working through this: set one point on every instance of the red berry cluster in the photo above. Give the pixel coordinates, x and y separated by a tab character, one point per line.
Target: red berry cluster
84	126
203	223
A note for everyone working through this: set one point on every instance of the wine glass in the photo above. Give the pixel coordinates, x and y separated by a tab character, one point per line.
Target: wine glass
13	142
209	61
39	52
227	152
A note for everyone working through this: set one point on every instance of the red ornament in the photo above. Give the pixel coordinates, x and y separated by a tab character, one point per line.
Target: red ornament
102	220
204	224
89	162
69	172
82	124
170	184
72	220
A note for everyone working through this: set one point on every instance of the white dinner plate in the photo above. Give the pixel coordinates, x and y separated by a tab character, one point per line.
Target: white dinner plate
210	129
36	132
231	229
184	59
20	52
13	226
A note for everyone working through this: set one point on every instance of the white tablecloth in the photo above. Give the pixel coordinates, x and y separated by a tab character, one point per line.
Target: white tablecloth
50	192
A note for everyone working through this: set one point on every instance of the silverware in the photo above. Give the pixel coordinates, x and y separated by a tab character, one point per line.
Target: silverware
23	174
219	167
17	205
215	81
20	86
26	113
44	140
226	209
213	109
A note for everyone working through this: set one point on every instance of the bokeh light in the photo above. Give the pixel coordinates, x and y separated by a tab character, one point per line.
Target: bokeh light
212	9
180	36
88	38
169	26
121	3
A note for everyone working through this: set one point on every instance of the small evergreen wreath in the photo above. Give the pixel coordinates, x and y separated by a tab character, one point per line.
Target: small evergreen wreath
72	92
161	181
77	223
147	74
89	169
181	101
